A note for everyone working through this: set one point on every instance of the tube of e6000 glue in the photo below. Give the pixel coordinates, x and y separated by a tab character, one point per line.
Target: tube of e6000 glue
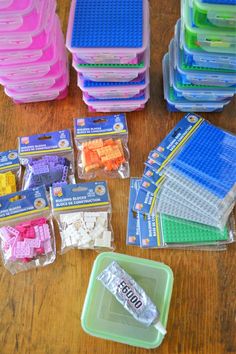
131	296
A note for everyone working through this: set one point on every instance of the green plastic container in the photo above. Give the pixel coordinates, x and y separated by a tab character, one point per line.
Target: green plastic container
214	15
104	317
210	40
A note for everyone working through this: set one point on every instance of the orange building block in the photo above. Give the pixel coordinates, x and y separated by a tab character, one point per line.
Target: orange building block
98	153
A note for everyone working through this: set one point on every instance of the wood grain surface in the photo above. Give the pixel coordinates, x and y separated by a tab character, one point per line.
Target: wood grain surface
40	310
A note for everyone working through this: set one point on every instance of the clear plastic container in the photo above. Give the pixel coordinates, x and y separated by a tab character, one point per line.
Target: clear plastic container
23	56
21	16
116	90
200	57
114	74
220	15
181	104
35	39
57	92
45	69
198	75
198	92
104	317
97	53
123	105
211	40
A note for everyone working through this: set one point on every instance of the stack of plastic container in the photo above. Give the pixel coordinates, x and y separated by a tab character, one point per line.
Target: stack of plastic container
199	72
110	43
33	60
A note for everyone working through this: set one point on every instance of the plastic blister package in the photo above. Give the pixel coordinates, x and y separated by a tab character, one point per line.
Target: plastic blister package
10	172
48	159
83	213
102	144
191	174
160	230
26	230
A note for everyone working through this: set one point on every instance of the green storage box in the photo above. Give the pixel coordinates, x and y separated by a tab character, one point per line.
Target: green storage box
104	317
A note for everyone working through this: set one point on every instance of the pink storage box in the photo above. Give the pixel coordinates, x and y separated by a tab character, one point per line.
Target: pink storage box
115	91
118	106
23	56
37	85
34	39
110	55
5	5
21	17
113	74
58	92
44	97
48	66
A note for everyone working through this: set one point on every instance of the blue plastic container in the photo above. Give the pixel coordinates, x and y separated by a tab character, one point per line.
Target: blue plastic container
180	104
196	74
205	59
198	92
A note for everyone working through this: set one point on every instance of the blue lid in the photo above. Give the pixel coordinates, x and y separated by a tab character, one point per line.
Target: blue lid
88	83
108	24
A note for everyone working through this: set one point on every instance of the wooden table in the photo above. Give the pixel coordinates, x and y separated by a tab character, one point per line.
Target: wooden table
40	309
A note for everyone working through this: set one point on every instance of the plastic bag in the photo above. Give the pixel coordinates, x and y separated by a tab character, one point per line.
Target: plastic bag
48	159
10	172
26	230
191	174
102	147
164	231
83	213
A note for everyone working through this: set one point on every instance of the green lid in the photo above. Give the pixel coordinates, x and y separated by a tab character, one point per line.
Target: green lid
104	317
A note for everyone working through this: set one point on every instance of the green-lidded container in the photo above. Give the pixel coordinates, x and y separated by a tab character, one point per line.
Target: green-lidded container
104	317
209	39
214	15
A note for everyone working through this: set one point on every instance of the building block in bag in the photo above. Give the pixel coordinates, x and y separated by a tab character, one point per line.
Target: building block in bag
7	183
101	153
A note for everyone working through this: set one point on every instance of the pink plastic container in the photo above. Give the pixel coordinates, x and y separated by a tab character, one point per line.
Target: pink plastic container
36	85
113	74
44	97
118	106
109	55
48	66
34	39
24	56
113	91
16	5
20	17
58	92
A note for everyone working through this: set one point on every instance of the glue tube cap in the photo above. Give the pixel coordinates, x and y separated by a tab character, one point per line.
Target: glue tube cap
160	328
